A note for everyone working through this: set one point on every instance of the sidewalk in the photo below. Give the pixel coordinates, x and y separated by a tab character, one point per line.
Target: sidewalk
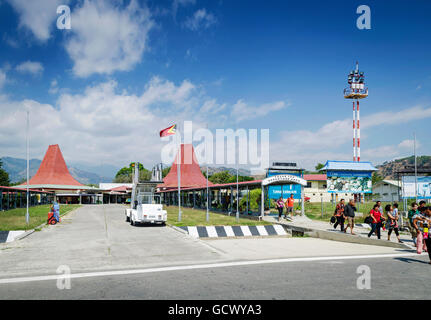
324	230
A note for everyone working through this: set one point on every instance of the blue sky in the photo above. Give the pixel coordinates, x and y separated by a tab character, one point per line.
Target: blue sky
126	69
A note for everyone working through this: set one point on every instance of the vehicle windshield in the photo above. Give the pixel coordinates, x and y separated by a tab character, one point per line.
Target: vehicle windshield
148	198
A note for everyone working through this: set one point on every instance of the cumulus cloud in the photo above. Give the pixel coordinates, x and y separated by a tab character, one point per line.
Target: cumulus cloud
242	111
105	124
309	147
107	38
31	67
201	19
37	16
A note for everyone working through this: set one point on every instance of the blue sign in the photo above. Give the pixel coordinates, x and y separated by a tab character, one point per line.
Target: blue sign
275	192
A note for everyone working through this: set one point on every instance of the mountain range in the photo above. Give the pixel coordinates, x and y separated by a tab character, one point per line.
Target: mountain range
388	170
17	170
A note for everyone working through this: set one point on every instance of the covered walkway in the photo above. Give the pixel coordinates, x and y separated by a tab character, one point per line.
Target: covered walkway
12	198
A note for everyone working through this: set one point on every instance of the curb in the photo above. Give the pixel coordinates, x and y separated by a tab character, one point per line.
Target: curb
336	236
225	232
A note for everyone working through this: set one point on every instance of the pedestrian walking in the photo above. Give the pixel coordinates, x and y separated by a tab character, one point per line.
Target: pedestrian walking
427	238
289	205
339	215
392	221
349	213
412	213
280	205
376	224
421	224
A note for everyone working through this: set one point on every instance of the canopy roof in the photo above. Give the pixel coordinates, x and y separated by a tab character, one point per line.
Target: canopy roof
53	171
349	166
191	175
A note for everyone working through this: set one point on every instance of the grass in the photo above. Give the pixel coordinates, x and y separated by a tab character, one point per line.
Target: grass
15	219
197	217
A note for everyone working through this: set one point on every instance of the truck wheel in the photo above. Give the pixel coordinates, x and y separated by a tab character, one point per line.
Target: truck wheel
127	219
131	221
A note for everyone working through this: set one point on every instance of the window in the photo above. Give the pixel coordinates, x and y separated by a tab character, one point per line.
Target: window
308	184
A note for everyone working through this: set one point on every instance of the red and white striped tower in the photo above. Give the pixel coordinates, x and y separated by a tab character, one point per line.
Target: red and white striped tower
356	91
354	132
358	133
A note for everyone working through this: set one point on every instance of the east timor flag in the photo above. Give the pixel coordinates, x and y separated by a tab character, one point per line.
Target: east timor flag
168	131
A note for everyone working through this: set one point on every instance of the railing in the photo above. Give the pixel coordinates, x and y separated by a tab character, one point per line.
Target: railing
349	91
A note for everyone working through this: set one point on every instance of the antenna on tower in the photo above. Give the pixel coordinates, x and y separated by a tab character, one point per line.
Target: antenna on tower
356	90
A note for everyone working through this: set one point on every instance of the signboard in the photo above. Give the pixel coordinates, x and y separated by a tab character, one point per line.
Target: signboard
423	185
349	181
275	192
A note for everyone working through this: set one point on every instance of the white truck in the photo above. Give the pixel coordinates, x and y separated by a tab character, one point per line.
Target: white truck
145	205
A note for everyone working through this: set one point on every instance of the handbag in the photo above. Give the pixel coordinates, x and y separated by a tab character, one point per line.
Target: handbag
333	219
368	220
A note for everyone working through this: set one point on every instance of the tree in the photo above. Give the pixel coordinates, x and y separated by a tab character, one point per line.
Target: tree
319	166
124	175
4	176
165	171
376	178
220	177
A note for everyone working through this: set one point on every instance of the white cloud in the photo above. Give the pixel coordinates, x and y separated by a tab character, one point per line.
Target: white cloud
2	78
409	144
53	88
105	124
106	38
201	19
309	147
242	111
37	16
31	67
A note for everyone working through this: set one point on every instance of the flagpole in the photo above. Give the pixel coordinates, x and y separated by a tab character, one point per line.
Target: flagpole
179	174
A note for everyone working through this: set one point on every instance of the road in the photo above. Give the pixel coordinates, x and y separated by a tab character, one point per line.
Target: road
109	259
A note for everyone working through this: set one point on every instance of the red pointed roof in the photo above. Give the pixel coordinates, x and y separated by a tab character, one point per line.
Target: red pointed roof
191	174
53	170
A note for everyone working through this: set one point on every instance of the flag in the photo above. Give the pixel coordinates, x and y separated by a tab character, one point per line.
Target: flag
168	131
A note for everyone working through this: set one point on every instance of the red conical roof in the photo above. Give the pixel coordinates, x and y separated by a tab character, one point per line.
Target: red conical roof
53	170
191	174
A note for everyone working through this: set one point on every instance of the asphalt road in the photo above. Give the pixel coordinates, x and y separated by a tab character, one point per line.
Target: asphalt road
109	259
391	278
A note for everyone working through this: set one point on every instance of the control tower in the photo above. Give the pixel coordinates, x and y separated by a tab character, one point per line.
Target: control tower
355	91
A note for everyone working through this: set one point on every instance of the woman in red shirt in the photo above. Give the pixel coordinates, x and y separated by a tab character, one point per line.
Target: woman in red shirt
377	217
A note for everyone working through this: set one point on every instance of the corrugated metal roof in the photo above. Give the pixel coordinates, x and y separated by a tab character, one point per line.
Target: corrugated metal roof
315	177
349	166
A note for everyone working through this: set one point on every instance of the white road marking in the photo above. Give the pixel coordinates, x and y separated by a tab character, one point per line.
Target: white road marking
193	231
203	266
212	233
246	231
262	230
229	231
280	230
